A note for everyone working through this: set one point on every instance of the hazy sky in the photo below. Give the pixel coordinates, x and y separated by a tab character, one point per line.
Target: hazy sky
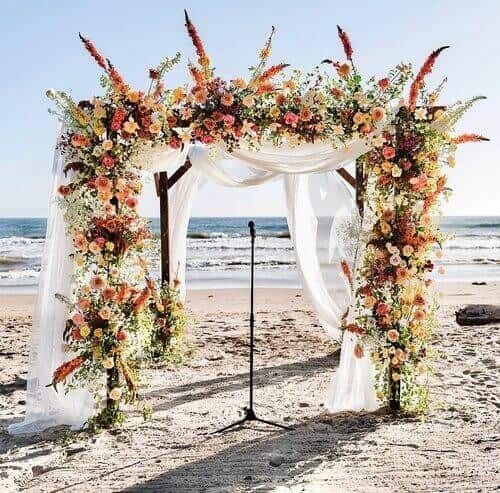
40	49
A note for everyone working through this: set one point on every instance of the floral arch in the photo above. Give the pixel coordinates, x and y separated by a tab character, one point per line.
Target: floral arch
111	314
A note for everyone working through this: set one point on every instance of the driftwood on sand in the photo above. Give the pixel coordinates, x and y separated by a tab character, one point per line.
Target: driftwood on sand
478	315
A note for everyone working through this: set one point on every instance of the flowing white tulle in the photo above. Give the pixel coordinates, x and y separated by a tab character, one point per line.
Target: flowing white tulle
352	386
44	406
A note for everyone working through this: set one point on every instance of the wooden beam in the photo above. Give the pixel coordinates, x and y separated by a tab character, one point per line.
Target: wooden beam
347	177
179	173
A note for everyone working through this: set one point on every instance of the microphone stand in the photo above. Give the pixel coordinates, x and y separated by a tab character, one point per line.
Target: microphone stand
249	412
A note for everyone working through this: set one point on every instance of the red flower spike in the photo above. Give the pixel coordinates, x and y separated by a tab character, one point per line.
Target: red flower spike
419	79
465	138
272	72
346	43
195	38
90	47
116	78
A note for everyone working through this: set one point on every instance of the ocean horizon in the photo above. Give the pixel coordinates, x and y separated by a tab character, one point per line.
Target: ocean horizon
218	251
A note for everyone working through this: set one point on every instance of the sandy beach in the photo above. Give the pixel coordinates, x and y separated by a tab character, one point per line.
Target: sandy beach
454	449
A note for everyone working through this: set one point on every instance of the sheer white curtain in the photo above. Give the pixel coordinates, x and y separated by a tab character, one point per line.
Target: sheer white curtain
44	406
352	387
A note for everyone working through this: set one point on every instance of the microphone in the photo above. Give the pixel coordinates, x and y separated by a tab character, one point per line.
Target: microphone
251	225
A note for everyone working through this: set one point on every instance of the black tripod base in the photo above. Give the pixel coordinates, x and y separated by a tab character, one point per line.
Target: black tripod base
250	416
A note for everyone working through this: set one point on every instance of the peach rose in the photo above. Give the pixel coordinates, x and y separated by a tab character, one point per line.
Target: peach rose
378	114
393	335
388	152
305	114
103	184
98	282
105	313
84	304
78	318
109	294
81	242
227	99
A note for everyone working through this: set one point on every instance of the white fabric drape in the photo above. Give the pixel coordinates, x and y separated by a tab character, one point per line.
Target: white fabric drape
45	407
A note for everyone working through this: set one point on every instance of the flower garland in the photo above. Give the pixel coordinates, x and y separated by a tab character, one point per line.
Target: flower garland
395	312
116	313
104	145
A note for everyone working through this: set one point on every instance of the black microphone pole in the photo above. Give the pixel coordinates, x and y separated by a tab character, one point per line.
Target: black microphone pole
249	411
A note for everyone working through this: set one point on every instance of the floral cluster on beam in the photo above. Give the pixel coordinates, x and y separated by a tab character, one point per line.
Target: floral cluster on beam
396	308
116	312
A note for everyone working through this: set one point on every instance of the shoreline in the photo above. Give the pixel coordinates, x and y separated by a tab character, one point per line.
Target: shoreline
236	298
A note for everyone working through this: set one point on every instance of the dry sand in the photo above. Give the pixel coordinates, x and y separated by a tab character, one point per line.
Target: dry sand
454	449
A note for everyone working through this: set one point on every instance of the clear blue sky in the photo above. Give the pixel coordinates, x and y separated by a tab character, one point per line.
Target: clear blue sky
40	49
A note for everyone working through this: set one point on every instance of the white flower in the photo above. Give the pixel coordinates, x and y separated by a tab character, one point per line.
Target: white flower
338	130
421	113
395	259
115	394
396	171
108	363
378	140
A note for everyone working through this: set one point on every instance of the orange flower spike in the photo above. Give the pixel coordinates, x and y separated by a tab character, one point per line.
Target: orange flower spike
141	300
419	79
465	138
346	43
197	75
117	79
90	47
272	72
66	369
346	270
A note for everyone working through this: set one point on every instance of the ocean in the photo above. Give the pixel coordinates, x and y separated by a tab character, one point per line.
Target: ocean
218	252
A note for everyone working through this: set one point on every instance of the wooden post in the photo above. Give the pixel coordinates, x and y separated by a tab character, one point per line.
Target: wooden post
360	186
163	184
162	191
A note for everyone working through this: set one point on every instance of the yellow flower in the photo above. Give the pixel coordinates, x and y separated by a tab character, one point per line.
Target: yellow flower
107	145
81	117
438	115
133	96
359	118
274	112
98	128
110	246
451	161
385	228
178	94
97	353
108	363
130	126
387	166
377	170
99	112
248	101
79	260
84	330
240	83
115	394
155	127
98	333
396	377
289	84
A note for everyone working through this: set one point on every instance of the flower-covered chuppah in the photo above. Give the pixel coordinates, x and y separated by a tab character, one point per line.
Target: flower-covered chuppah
274	125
